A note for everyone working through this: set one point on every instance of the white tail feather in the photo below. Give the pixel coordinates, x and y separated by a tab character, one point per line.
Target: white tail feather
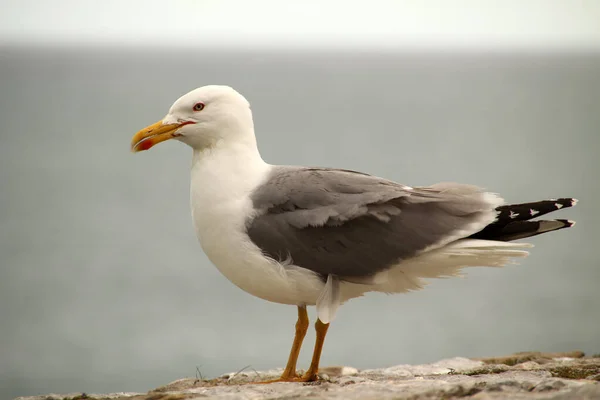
329	300
440	263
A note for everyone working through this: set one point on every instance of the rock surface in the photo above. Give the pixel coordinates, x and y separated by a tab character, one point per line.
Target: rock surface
531	375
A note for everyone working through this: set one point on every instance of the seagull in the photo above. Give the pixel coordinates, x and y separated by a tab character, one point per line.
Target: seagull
308	236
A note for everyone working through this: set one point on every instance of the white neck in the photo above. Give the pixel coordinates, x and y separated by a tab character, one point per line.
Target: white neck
227	169
223	177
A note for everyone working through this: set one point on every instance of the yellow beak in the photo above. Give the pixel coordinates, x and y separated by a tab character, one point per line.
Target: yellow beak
154	134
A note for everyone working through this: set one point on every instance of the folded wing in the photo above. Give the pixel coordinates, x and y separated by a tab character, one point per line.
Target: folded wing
352	225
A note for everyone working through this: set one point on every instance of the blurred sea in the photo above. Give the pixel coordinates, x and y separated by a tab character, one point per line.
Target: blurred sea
103	286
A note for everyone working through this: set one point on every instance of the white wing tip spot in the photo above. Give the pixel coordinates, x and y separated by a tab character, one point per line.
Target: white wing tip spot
570	221
558	206
533	212
573	202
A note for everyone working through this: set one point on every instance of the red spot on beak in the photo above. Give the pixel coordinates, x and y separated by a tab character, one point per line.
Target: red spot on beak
145	145
156	133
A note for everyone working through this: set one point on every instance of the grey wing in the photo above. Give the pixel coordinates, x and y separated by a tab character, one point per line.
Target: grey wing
355	225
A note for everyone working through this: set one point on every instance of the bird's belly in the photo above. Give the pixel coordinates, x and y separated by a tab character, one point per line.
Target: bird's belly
223	238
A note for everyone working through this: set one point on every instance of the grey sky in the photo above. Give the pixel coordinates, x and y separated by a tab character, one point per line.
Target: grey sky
460	23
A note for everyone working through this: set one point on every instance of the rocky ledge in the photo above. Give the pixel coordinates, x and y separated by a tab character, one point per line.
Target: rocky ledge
530	375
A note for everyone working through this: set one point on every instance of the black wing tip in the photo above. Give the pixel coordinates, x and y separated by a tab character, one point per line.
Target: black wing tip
559	203
567	223
518	221
520	229
527	211
565	202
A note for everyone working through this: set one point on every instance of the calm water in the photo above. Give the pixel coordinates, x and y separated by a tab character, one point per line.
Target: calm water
104	288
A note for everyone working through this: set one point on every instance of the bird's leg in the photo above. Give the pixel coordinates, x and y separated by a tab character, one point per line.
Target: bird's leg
289	373
311	373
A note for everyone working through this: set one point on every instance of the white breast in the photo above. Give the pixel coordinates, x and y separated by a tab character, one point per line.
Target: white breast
221	183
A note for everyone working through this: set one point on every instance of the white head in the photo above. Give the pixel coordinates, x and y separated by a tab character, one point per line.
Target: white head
202	118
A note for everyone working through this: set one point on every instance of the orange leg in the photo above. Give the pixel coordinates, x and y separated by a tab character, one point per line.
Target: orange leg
311	373
289	373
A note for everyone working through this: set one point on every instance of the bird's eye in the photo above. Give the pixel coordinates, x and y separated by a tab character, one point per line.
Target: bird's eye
198	107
